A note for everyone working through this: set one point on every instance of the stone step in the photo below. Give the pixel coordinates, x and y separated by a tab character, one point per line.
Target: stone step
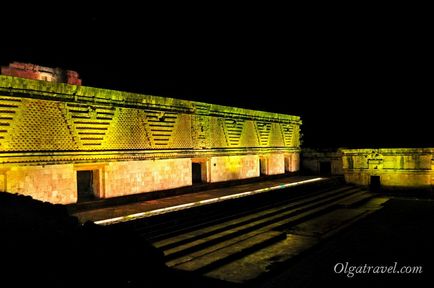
287	218
247	221
182	226
327	222
357	199
231	252
307	234
259	262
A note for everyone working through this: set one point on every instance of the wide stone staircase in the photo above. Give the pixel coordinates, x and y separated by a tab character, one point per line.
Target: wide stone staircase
243	239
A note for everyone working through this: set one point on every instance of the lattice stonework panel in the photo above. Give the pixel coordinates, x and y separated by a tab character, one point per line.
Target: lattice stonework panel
128	131
217	132
264	132
200	131
90	124
8	110
249	136
276	135
182	133
160	126
296	136
288	134
233	129
40	125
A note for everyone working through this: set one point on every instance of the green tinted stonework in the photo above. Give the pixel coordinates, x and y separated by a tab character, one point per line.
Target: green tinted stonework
130	143
397	168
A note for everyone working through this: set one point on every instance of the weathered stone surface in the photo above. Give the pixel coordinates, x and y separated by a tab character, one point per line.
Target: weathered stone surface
312	161
397	168
292	162
275	164
53	183
132	177
233	167
44	116
130	143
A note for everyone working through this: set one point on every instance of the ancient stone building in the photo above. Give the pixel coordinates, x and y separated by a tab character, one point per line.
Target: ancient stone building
36	72
384	168
62	143
397	169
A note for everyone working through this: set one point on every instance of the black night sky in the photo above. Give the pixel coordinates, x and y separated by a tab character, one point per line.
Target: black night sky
356	80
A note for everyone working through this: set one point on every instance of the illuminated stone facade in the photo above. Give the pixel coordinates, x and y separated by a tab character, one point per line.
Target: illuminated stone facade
56	138
36	72
403	168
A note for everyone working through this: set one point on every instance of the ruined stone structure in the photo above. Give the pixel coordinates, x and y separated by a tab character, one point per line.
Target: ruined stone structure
399	168
61	143
36	72
322	162
385	168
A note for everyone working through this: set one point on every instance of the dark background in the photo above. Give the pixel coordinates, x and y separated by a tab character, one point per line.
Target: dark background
357	79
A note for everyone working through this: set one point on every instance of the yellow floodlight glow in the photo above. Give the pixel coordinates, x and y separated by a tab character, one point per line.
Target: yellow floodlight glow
200	203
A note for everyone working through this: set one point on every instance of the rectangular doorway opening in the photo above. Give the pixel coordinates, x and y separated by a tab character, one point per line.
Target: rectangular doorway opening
325	168
263	166
86	185
288	164
196	172
375	184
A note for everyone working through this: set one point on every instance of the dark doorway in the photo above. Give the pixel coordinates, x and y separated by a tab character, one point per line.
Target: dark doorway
84	185
262	166
375	184
325	168
196	170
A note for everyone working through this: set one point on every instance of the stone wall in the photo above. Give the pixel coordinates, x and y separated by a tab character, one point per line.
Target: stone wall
92	119
130	143
312	159
292	162
58	183
397	168
233	167
36	72
275	164
52	183
132	177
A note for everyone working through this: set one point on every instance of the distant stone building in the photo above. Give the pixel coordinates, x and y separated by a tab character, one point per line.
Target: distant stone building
385	168
36	72
62	143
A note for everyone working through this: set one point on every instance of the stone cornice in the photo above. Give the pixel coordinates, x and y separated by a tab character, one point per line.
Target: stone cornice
25	88
41	158
386	151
